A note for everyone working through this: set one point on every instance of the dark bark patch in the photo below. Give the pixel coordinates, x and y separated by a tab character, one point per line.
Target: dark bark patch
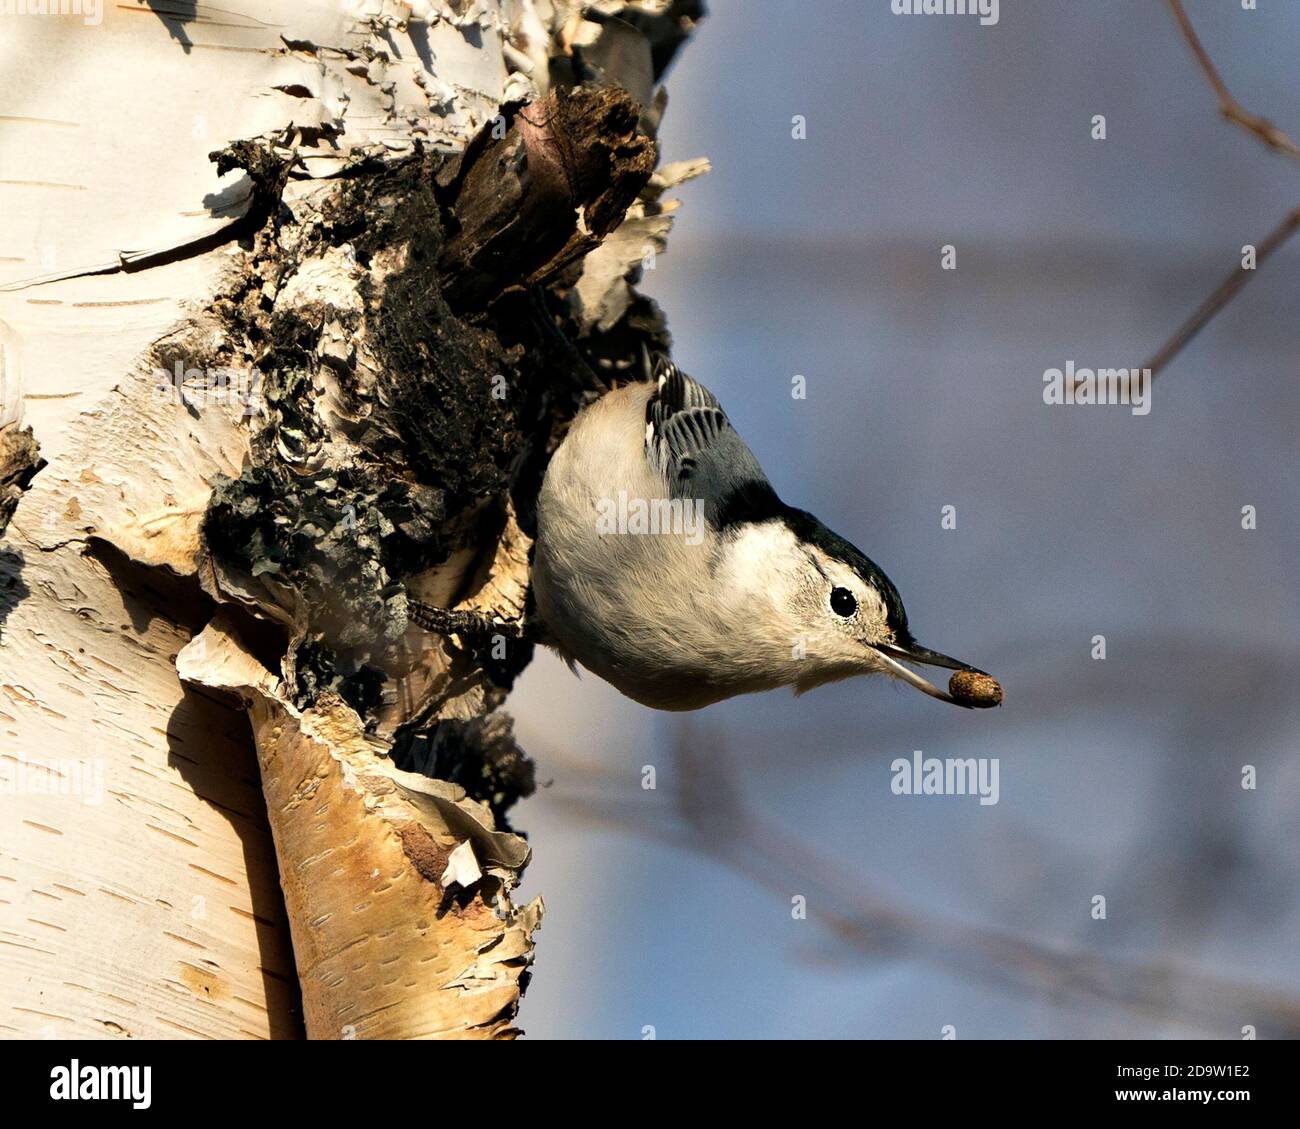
20	459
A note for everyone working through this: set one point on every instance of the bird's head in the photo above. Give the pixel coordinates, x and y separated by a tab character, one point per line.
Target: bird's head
835	610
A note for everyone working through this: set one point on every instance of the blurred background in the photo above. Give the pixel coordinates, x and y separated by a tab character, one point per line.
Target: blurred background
672	908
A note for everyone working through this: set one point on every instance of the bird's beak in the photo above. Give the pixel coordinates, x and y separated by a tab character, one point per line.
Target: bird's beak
915	653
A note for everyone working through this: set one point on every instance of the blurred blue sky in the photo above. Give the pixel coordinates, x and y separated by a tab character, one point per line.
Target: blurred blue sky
821	257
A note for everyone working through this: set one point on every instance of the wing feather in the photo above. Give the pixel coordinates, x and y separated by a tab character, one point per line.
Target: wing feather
690	441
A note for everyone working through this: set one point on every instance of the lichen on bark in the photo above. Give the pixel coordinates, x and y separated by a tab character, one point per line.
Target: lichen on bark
381	449
409	391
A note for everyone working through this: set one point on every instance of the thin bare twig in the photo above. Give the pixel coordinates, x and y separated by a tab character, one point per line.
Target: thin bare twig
1229	107
1271	136
1224	294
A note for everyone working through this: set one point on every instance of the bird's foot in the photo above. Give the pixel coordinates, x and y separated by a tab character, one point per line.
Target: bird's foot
469	624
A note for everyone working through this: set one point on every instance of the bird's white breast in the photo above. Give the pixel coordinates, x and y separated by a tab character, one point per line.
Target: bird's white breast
641	610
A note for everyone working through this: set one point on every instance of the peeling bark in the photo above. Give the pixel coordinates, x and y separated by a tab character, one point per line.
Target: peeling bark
527	205
388	938
19	460
415	239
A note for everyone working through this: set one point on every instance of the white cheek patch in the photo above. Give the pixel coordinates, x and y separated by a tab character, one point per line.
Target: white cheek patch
762	561
876	612
875	606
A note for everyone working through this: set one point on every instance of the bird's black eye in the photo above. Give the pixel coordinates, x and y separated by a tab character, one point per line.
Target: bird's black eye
843	602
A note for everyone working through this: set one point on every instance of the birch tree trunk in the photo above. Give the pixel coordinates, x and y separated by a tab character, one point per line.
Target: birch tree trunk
295	300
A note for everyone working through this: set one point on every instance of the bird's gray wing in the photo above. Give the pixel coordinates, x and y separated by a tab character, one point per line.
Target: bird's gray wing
690	441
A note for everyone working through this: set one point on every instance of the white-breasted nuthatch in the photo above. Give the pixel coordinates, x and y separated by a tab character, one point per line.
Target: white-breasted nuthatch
714	586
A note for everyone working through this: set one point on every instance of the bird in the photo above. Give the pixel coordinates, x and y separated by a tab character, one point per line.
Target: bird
665	563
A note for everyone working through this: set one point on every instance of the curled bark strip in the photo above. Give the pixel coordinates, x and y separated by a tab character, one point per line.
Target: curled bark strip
532	199
396	886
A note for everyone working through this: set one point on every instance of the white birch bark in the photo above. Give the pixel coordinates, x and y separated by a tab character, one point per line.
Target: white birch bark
142	892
